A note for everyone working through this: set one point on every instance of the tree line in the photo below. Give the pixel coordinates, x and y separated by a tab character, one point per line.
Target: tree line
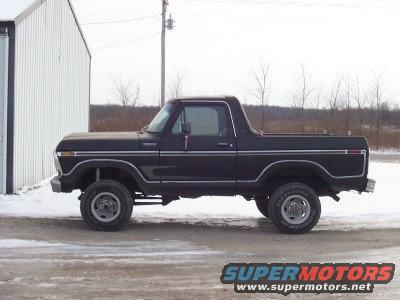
278	119
346	106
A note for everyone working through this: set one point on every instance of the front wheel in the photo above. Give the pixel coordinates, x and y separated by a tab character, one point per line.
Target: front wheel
294	208
106	205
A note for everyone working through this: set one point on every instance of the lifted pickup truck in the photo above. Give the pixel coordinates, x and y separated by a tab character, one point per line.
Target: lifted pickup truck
206	146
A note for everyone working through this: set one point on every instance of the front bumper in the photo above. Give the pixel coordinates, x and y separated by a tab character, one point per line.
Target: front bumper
56	184
370	186
62	184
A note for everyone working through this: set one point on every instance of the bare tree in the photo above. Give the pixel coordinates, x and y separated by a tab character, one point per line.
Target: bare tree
302	95
334	101
396	111
244	98
360	99
346	104
261	89
176	85
377	98
317	104
371	112
125	92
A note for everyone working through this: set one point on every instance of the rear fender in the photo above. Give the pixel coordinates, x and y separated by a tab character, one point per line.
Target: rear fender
274	168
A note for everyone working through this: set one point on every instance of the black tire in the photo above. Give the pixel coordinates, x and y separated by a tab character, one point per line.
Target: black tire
262	206
286	208
112	199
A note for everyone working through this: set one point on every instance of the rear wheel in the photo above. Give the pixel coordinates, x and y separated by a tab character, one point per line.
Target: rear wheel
295	208
106	205
262	206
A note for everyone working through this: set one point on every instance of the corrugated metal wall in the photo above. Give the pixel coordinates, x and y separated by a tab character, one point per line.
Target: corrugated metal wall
51	88
3	109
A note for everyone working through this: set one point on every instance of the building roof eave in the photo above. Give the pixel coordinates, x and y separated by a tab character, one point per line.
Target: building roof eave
35	5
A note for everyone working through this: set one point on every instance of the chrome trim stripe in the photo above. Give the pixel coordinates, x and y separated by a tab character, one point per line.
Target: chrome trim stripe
113	160
223	102
140	174
200	181
149	153
228	181
109	153
240	152
198	153
295	152
217	153
303	161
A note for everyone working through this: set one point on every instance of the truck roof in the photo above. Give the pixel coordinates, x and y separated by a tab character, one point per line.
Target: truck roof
226	98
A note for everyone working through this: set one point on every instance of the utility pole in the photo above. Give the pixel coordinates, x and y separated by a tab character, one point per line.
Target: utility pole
164	11
165	24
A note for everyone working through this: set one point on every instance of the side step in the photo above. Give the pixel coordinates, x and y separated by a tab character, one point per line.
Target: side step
149	200
143	202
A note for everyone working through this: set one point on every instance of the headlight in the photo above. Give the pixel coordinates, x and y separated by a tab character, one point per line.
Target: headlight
57	162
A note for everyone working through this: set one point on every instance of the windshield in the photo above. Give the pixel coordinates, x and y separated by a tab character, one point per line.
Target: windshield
159	121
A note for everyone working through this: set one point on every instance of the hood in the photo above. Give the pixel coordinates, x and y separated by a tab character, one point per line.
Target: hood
100	141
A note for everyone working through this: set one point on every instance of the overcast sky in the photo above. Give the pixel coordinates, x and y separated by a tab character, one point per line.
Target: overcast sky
217	42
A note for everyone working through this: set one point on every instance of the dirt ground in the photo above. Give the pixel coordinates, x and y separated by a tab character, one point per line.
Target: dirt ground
63	258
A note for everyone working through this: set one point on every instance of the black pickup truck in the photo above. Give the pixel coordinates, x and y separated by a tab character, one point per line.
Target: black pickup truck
206	146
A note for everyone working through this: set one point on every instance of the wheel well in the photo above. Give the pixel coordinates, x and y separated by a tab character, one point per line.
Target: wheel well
297	174
89	176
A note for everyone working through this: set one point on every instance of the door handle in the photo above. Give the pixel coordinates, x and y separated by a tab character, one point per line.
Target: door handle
222	144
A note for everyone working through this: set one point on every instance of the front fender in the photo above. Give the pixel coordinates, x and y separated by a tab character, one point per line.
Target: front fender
149	187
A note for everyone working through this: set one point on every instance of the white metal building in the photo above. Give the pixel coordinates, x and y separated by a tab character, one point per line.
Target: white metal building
44	86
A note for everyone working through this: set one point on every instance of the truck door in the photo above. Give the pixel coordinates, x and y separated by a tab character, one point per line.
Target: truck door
204	161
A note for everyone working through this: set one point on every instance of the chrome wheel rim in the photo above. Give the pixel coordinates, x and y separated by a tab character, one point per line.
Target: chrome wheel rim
295	209
106	207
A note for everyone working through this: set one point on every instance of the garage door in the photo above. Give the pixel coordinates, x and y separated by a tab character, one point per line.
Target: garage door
3	102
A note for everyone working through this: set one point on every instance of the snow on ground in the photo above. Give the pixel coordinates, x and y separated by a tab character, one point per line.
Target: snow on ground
40	201
385	155
386	151
381	208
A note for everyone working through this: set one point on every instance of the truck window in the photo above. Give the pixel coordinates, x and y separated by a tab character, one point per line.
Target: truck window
205	120
159	121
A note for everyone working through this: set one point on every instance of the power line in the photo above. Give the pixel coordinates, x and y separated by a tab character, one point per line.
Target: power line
117	13
295	3
121	21
128	42
220	15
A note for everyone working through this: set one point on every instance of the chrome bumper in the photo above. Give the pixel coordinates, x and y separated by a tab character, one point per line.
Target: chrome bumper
370	186
56	185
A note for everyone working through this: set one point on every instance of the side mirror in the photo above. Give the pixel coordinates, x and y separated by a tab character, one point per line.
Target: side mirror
186	128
